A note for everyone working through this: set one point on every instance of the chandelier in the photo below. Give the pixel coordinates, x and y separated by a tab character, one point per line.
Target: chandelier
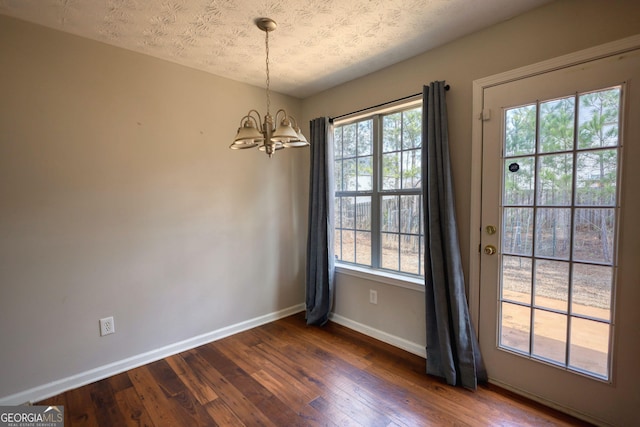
274	133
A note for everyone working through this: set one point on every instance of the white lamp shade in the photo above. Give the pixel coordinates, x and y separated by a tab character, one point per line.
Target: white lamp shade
284	132
248	132
244	143
300	142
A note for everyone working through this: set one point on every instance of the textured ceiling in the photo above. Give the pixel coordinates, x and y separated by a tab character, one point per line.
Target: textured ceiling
318	43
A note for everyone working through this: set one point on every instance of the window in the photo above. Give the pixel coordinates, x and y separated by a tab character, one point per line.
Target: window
378	191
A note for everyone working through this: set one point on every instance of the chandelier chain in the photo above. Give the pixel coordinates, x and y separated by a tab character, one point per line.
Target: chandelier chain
267	64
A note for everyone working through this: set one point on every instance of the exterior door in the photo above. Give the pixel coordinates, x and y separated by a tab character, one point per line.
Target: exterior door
559	288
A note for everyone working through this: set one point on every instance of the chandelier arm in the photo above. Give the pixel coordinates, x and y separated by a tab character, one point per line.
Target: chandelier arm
284	112
249	117
293	121
258	122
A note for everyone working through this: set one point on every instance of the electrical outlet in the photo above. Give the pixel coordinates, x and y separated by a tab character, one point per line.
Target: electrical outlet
107	326
373	296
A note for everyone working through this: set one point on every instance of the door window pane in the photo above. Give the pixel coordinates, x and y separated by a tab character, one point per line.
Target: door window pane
589	346
516	279
592	290
557	119
552	285
519	179
598	121
593	235
555	178
517	236
553	232
520	134
514	327
596	178
550	336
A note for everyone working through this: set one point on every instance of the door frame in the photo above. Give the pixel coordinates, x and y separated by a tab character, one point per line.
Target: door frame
576	58
580	57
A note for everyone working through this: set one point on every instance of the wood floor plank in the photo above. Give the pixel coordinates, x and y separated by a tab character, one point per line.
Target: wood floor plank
262	398
202	392
134	412
323	363
334	413
105	405
257	360
222	414
343	382
286	373
302	379
80	407
160	409
306	414
120	382
178	394
235	399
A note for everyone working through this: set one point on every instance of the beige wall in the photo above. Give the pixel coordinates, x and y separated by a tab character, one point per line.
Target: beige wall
561	27
119	197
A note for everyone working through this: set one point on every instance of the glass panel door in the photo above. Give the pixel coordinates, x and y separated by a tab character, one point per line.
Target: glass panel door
559	200
558	291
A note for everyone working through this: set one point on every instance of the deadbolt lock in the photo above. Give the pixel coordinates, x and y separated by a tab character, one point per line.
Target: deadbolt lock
490	250
491	229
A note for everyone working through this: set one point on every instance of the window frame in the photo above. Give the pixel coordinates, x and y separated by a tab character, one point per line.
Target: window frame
376	271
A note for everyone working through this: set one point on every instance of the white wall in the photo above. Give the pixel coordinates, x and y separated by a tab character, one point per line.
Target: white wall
561	27
119	197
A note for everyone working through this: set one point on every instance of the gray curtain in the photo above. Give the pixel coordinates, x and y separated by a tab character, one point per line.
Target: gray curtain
320	249
452	347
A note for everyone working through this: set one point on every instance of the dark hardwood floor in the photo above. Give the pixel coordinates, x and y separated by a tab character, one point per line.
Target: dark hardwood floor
287	374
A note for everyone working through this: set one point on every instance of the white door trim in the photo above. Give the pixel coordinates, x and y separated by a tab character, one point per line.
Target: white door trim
582	56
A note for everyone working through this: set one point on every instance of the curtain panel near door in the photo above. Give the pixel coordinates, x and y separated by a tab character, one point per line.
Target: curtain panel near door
452	348
320	248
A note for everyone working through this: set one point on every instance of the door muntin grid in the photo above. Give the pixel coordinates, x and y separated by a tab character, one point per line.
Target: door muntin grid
559	204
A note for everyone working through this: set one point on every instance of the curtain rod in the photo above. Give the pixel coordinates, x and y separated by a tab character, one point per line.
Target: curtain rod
331	119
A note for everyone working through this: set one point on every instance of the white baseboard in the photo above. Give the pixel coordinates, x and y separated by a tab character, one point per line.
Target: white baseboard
393	340
83	378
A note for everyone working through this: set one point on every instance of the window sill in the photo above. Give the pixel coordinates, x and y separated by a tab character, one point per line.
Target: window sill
386	277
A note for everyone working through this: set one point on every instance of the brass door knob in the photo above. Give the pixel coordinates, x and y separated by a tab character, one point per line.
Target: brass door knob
490	250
